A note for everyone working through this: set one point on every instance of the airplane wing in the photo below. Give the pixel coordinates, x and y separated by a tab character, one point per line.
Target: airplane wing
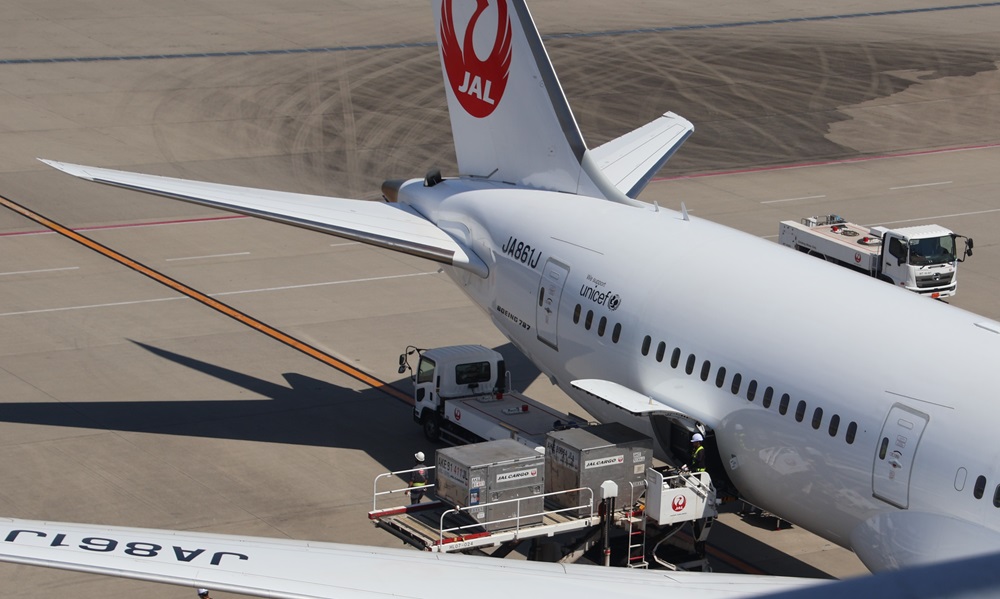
393	226
631	160
289	569
638	404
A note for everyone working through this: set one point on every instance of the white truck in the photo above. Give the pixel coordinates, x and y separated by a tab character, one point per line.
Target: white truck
462	394
923	259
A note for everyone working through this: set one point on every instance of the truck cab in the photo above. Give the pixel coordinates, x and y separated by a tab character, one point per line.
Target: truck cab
923	259
461	395
458	371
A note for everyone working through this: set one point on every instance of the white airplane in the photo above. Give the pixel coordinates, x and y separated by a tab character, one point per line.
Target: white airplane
635	312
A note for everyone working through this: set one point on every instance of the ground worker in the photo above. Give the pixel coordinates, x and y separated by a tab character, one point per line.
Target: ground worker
697	453
418	479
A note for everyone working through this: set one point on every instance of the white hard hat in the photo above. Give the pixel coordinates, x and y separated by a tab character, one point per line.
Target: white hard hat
419	455
697	438
202	592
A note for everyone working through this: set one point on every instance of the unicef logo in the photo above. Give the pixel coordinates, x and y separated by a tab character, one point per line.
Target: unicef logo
614	302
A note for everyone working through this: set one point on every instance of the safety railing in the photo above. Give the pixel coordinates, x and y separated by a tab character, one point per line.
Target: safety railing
699	482
518	517
375	485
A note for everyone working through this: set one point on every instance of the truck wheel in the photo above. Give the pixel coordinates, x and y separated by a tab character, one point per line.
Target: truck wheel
432	426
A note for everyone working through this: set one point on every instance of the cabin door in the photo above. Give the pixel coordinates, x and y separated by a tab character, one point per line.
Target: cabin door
550	289
894	455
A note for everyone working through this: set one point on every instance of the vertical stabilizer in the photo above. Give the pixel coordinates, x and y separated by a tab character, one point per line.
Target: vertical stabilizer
509	117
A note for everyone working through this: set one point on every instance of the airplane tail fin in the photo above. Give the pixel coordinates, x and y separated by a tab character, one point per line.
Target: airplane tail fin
509	117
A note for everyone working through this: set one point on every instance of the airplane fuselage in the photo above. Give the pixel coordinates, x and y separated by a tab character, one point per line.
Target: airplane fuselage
834	398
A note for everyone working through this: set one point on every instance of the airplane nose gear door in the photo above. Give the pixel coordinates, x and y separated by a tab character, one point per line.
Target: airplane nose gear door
550	289
894	456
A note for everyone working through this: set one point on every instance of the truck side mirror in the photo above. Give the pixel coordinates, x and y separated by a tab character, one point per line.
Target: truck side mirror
968	249
402	363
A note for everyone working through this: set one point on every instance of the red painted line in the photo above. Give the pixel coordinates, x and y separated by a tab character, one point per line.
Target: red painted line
403	509
781	167
460	538
130	225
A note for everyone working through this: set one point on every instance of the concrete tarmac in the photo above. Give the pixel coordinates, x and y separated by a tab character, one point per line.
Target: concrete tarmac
125	403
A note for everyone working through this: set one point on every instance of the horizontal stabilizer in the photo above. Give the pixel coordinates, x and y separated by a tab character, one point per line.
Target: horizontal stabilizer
393	226
631	160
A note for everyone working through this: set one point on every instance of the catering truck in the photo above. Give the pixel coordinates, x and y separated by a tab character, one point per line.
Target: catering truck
462	394
923	259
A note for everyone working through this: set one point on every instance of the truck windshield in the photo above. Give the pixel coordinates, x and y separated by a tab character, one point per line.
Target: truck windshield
933	250
425	371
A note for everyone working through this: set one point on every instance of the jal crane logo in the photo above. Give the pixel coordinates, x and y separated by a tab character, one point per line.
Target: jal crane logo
478	84
679	503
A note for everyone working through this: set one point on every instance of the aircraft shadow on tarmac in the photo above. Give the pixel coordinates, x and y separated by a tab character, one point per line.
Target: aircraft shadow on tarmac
306	411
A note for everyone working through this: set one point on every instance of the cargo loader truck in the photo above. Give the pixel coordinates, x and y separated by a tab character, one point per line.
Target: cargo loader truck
567	485
923	259
462	395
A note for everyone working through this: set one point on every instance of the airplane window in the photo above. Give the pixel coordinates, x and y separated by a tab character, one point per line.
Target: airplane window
616	334
675	358
800	411
737	381
834	425
852	430
660	350
996	497
817	418
706	368
720	378
883	448
576	314
768	394
645	345
689	367
601	326
977	492
589	321
752	390
783	406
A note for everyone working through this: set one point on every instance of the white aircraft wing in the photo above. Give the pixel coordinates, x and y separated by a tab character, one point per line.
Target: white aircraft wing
392	226
288	569
638	404
631	160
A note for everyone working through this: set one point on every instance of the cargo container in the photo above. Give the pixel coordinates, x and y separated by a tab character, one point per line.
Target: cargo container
492	475
586	457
